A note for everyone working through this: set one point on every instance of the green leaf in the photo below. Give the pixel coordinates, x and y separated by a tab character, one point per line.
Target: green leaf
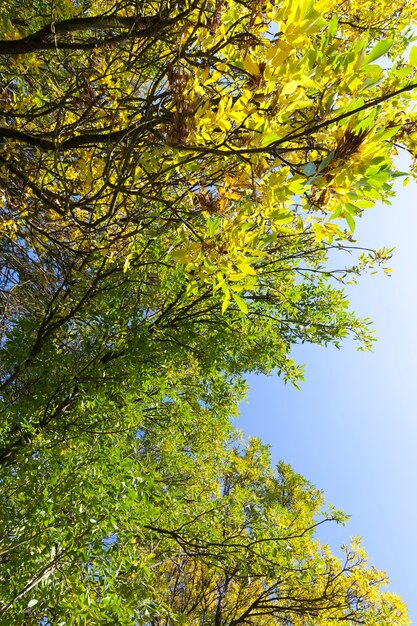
379	50
413	56
373	71
213	223
269	139
332	27
241	303
350	221
326	161
387	133
309	169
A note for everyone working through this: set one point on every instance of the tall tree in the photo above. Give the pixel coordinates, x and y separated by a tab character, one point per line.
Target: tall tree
179	181
169	169
177	524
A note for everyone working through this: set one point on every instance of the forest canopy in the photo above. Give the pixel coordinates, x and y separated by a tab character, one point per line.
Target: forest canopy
180	183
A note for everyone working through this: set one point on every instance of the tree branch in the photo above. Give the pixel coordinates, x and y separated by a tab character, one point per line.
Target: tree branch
50	37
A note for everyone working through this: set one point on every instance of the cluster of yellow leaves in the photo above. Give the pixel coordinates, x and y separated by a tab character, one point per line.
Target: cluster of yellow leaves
253	126
266	107
271	566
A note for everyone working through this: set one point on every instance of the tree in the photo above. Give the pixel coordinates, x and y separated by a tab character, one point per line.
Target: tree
256	562
185	164
177	180
177	524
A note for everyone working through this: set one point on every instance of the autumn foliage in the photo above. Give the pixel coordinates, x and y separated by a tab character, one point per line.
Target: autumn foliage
177	180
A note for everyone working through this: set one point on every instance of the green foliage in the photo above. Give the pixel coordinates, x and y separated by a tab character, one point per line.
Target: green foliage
175	523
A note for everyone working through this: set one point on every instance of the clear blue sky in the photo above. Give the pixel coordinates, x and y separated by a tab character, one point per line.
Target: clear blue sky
352	429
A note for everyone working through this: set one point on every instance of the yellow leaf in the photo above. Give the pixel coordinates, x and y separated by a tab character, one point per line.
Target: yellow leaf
237	276
226	299
246	268
289	88
250	66
282	52
127	263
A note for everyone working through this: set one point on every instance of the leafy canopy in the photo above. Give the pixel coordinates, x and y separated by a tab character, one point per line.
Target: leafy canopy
177	523
178	182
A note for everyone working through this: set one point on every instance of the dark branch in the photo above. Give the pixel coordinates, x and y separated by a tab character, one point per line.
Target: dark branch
51	36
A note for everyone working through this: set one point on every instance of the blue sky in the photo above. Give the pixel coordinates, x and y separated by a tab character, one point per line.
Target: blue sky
352	429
